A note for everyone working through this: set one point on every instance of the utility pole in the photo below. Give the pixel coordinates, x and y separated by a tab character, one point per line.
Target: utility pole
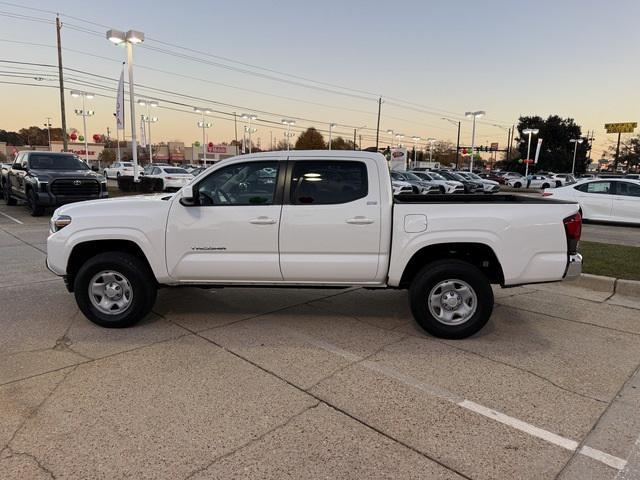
458	148
65	145
615	162
509	145
354	139
378	126
235	125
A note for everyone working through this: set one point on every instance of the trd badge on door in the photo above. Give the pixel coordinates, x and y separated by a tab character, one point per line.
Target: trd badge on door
207	249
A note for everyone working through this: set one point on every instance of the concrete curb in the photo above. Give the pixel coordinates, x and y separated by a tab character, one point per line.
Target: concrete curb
628	288
597	283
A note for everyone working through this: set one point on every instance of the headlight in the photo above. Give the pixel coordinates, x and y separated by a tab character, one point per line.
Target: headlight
58	222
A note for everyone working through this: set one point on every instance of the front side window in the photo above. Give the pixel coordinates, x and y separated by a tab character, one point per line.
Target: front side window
628	189
328	182
252	183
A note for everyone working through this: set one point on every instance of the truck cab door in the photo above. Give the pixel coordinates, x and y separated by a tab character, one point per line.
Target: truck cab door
231	233
331	221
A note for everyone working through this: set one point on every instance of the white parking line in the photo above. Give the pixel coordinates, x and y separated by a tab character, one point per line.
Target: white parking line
433	390
11	218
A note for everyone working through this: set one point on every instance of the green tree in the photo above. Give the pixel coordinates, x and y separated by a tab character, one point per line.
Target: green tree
107	157
340	143
556	153
310	139
629	152
11	138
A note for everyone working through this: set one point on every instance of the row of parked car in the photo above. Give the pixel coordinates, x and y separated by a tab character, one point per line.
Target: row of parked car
427	182
172	177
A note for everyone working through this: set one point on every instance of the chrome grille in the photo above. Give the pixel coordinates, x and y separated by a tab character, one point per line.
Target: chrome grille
73	187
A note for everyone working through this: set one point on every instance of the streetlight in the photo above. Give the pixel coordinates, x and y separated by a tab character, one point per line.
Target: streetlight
203	124
415	139
249	117
130	38
392	133
331	127
575	141
475	115
399	136
149	119
288	123
508	130
458	142
84	113
529	131
431	142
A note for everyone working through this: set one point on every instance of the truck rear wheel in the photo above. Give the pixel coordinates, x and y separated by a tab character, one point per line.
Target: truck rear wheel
451	299
115	289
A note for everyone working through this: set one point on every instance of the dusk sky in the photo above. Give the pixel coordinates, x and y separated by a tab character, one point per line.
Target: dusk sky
573	58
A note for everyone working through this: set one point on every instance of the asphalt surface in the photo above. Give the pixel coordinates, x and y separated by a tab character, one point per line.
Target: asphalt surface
266	383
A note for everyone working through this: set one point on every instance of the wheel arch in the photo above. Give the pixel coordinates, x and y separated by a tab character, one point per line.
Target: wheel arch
85	250
478	254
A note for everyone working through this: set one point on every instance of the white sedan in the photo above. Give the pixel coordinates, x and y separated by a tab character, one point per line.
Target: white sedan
115	170
613	200
172	177
536	181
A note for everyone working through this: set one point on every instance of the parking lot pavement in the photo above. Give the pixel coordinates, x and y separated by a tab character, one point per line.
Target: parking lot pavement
266	383
609	233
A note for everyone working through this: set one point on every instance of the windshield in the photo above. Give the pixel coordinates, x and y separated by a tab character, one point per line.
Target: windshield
458	176
412	176
474	176
436	176
127	164
45	161
175	170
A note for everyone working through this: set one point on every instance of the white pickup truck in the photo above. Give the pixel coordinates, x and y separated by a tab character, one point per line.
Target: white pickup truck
309	219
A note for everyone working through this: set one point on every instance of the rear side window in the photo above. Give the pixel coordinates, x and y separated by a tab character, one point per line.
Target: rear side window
328	182
595	187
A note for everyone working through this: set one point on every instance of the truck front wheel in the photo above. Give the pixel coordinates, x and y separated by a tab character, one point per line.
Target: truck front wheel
115	289
451	299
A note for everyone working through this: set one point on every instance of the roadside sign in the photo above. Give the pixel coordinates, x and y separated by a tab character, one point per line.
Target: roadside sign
494	146
625	127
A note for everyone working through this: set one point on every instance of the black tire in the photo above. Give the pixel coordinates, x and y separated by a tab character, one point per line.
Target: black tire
546	185
117	175
442	190
32	202
140	278
104	174
440	271
517	185
9	200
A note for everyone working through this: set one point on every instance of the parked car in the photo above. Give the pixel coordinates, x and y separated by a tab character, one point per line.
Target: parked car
420	186
633	176
562	179
173	178
488	186
118	169
470	186
511	176
447	186
609	200
534	181
495	177
49	179
586	176
309	219
4	170
401	188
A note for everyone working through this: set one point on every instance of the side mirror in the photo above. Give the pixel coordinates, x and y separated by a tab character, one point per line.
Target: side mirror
17	166
94	168
187	199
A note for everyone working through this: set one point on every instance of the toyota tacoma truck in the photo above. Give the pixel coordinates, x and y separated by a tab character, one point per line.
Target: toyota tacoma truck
311	219
49	179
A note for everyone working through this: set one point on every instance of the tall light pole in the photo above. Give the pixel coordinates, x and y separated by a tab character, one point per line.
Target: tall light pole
131	38
117	136
84	113
431	142
249	117
529	132
331	127
203	124
288	123
392	133
415	139
48	125
149	119
458	141
399	136
575	142
475	115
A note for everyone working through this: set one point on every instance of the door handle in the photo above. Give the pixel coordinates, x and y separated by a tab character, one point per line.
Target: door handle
359	220
263	221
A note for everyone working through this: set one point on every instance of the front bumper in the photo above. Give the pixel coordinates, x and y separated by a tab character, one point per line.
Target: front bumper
47	199
574	267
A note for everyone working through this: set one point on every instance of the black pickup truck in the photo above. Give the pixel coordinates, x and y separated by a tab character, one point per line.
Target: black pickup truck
50	179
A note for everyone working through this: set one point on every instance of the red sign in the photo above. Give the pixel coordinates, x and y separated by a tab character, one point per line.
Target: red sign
211	148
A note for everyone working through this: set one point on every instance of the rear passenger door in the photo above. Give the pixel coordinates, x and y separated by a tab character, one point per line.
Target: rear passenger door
596	199
626	205
330	224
